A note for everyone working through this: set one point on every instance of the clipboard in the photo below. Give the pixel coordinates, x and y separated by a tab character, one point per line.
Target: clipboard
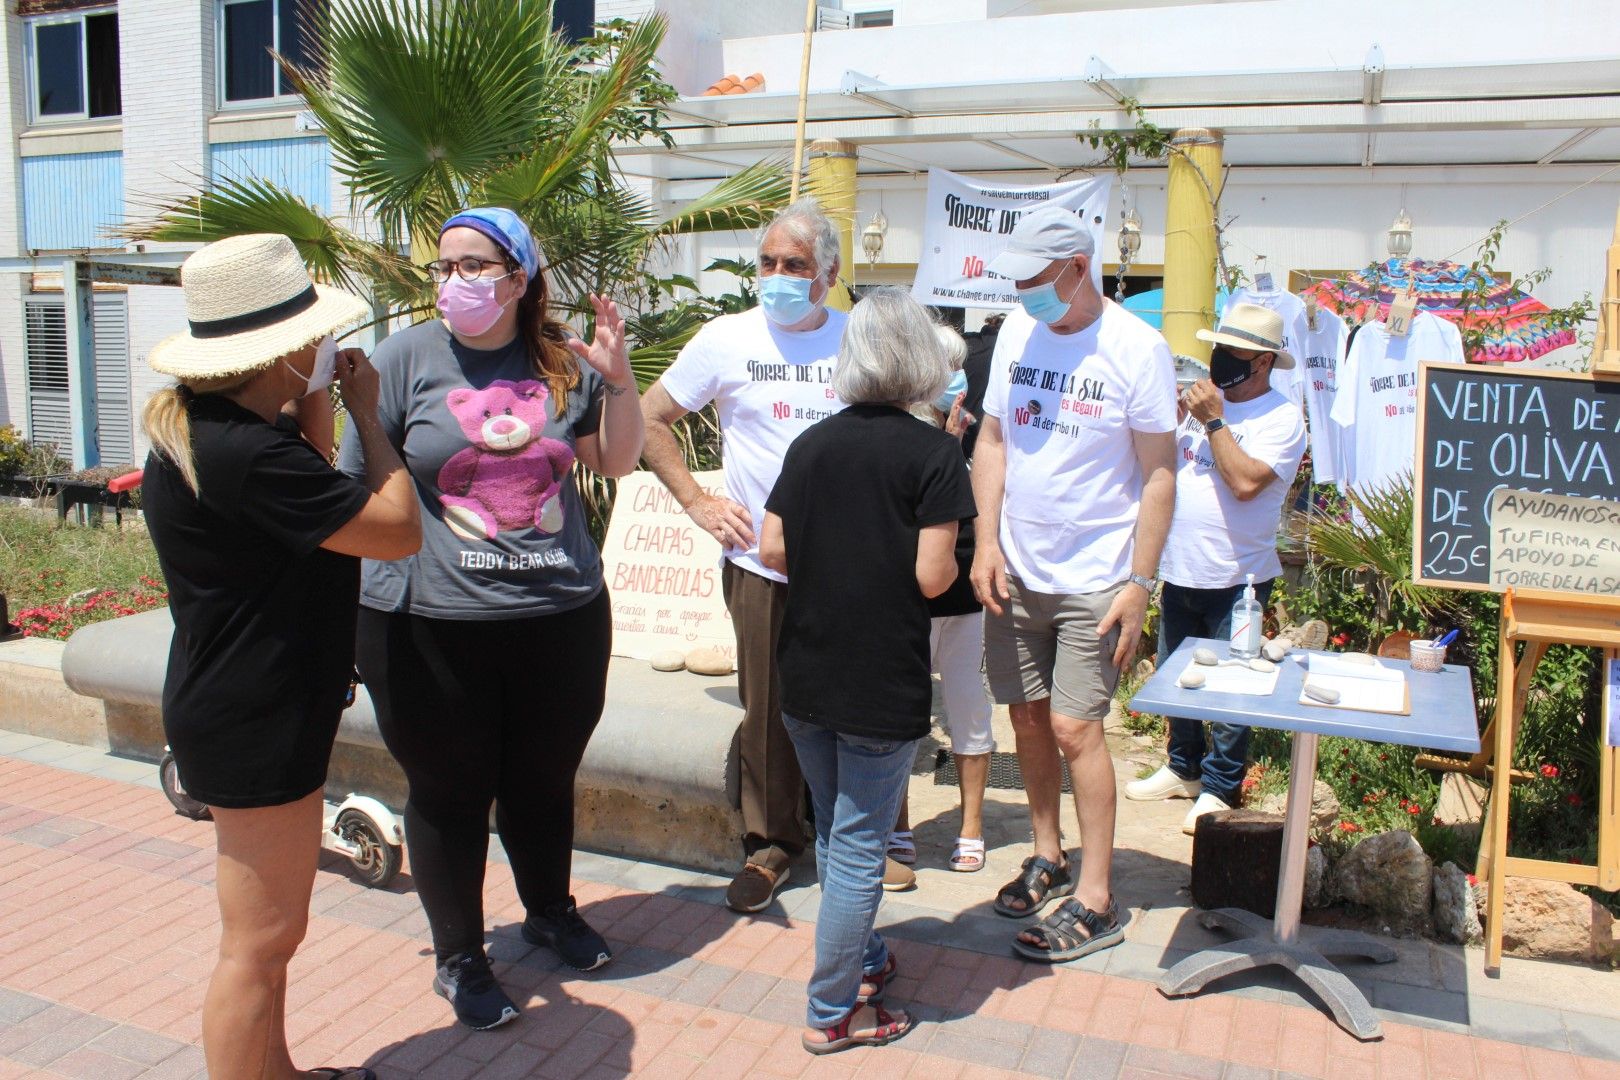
1334	682
1361	687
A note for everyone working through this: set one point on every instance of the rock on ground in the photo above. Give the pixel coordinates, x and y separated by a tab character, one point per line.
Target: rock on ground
1324	805
1455	918
1316	877
1551	920
1390	874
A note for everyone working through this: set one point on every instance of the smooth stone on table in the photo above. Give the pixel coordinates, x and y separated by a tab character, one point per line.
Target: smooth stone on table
1191	679
1206	657
1325	694
1235	861
667	660
1274	649
1391	874
708	661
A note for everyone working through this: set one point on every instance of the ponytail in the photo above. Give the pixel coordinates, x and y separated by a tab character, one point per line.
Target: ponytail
167	420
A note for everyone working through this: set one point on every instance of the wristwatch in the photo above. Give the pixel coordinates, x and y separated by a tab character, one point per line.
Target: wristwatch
1214	425
1147	583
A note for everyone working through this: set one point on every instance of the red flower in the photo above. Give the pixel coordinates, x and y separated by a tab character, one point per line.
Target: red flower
1383	757
1549	770
1341	640
1572	799
1472	880
1349	826
1414	809
1354	779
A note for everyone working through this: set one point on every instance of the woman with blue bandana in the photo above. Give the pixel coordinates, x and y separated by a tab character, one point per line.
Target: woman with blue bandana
486	654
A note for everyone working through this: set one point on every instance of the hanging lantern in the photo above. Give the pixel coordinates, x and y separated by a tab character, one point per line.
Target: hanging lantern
872	237
1400	235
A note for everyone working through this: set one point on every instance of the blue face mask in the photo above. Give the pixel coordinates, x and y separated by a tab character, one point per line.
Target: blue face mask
947	397
786	299
1042	302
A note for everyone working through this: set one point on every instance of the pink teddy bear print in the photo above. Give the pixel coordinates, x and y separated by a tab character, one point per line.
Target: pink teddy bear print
511	477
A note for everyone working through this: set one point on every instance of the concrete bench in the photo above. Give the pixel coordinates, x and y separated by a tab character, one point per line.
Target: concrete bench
658	781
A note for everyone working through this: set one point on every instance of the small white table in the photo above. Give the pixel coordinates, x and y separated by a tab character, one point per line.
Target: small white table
1442	718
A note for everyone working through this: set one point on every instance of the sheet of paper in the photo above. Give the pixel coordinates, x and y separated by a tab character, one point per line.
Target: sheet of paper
1329	664
1370	695
1236	680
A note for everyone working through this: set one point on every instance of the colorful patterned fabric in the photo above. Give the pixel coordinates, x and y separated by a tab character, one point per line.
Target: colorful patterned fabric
1509	322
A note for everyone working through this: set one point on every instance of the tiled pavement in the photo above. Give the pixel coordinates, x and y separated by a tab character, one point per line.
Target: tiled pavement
108	928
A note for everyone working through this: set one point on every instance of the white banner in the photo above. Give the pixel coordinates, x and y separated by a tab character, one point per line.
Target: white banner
967	223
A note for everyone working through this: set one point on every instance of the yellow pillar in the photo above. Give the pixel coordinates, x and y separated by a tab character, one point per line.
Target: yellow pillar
832	182
1189	239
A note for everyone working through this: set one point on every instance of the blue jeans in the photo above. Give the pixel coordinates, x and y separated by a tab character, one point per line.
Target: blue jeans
856	786
1185	613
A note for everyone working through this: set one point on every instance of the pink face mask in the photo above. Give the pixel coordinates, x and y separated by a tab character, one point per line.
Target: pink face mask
470	307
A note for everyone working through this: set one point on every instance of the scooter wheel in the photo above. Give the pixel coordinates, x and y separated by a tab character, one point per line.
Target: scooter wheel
378	861
175	791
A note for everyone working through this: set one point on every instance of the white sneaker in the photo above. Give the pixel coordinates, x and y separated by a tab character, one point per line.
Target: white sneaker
1206	804
1163	784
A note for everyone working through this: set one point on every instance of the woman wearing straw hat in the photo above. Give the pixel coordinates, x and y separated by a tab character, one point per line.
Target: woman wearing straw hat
486	654
258	537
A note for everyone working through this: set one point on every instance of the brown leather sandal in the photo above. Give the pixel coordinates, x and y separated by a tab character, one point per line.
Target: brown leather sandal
889	1027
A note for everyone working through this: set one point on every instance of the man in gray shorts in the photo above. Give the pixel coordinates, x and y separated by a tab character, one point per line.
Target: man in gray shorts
1074	476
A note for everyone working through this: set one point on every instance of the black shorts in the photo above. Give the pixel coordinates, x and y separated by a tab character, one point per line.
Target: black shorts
240	760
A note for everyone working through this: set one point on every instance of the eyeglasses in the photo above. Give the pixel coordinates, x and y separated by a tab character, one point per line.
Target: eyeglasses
469	269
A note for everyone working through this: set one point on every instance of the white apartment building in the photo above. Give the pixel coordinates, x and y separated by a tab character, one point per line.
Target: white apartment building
1334	118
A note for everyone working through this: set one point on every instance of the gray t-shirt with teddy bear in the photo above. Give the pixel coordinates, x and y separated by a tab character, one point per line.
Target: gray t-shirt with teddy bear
503	531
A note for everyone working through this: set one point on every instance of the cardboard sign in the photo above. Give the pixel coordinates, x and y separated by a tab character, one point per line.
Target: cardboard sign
1556	543
1483	429
967	225
663	572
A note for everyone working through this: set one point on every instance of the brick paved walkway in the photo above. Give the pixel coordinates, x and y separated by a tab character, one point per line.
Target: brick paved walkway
108	929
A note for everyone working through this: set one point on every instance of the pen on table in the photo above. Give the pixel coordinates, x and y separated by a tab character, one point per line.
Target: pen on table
1450	635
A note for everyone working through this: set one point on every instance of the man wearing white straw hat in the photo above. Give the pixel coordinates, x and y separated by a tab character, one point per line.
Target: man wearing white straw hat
260	541
1240	443
1074	476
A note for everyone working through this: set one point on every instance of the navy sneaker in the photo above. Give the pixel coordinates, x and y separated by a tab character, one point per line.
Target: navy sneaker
559	927
466	982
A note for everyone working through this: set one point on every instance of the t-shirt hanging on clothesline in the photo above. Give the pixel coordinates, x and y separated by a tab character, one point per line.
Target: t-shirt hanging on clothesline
1319	365
1377	399
1290	384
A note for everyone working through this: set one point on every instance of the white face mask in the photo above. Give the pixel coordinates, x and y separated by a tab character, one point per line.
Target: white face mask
325	367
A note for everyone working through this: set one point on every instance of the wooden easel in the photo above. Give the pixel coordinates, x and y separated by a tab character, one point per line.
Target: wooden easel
1539	620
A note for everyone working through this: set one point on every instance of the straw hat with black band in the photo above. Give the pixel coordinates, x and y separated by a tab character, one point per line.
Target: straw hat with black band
249	302
1250	326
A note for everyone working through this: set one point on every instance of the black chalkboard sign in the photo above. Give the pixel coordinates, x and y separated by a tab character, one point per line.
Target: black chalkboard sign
1484	428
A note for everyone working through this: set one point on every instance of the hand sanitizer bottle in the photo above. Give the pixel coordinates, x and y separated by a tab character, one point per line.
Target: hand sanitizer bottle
1247	618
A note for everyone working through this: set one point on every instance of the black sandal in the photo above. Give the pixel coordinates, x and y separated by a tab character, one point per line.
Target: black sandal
1040	882
1072	931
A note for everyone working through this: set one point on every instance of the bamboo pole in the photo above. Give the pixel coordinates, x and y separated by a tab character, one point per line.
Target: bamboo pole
1190	253
804	96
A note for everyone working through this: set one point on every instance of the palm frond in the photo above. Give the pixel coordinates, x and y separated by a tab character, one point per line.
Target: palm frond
548	165
1377	540
233	205
421	99
745	200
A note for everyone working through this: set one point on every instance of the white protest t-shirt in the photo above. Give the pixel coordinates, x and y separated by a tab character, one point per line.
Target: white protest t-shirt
769	385
1377	399
1216	538
1291	382
1321	356
1067	405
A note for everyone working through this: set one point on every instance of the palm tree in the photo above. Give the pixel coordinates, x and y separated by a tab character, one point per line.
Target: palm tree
430	106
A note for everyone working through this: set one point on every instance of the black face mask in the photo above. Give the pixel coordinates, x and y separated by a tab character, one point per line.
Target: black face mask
1226	368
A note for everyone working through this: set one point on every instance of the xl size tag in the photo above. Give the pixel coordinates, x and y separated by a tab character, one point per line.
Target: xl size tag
1401	312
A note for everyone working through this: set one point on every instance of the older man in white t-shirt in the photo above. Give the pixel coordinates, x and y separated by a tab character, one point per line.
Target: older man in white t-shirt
1240	443
1074	476
769	372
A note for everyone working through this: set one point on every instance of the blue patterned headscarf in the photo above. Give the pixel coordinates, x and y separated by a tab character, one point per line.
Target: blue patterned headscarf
506	229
